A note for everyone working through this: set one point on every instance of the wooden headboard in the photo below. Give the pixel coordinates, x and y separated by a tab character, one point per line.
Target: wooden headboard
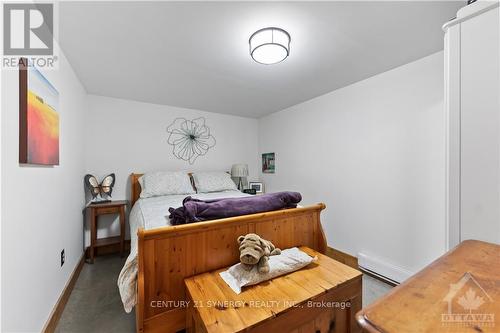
135	187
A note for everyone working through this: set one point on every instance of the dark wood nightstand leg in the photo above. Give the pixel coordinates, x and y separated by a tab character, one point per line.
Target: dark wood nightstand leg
93	233
122	229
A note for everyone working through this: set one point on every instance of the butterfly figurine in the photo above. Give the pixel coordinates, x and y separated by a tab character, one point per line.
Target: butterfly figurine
105	188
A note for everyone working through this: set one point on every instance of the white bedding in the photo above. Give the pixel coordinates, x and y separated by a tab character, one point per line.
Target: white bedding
150	213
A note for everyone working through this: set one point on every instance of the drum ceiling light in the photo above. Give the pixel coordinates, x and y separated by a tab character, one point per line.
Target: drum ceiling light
269	45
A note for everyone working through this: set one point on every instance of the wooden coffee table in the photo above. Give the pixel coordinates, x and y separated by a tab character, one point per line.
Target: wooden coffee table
322	297
459	292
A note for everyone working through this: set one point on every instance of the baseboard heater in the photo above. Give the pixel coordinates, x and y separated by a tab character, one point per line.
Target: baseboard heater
383	270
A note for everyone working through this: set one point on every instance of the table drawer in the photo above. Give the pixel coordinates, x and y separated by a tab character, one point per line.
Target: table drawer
107	210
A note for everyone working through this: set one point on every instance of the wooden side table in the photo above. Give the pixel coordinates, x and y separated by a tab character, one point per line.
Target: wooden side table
320	298
95	210
459	292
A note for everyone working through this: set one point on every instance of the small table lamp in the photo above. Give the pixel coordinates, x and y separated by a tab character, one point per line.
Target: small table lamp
239	171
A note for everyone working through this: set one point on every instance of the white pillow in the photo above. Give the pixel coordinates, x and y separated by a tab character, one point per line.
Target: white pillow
213	182
288	261
159	183
141	181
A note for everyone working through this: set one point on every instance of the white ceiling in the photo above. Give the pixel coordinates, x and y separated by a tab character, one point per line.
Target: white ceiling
195	54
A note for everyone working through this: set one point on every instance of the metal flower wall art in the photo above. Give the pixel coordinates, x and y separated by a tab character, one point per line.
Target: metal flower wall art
190	138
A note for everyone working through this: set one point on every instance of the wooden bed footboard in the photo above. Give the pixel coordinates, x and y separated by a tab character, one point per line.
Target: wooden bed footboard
168	255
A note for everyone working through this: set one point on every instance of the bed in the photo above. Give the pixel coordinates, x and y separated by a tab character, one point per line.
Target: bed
163	255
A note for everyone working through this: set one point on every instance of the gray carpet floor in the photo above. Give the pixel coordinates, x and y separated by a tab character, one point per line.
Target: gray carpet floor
95	305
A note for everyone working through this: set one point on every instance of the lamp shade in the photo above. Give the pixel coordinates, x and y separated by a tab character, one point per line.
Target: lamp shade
239	170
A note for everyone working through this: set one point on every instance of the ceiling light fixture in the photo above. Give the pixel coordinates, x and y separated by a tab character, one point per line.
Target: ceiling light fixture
269	45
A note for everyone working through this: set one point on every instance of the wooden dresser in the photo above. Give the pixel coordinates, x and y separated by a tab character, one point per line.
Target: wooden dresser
459	292
322	297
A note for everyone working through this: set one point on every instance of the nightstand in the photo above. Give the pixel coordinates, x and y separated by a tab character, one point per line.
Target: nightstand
95	210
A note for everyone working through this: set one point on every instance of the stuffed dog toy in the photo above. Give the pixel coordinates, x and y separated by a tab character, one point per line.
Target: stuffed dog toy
255	250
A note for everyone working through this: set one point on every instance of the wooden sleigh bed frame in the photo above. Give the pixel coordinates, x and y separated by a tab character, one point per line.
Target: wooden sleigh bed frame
167	255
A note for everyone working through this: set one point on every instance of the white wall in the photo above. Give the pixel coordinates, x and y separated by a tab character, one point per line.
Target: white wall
41	207
374	153
124	136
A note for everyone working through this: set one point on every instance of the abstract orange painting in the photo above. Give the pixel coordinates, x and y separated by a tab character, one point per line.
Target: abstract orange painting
39	120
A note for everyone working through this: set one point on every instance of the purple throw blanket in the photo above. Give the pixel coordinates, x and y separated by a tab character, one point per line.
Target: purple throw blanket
195	210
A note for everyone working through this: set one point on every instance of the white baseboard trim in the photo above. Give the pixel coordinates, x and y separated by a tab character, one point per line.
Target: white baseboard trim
382	268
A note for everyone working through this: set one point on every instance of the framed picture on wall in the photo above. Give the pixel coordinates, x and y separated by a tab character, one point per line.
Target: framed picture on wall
257	186
38	117
268	163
